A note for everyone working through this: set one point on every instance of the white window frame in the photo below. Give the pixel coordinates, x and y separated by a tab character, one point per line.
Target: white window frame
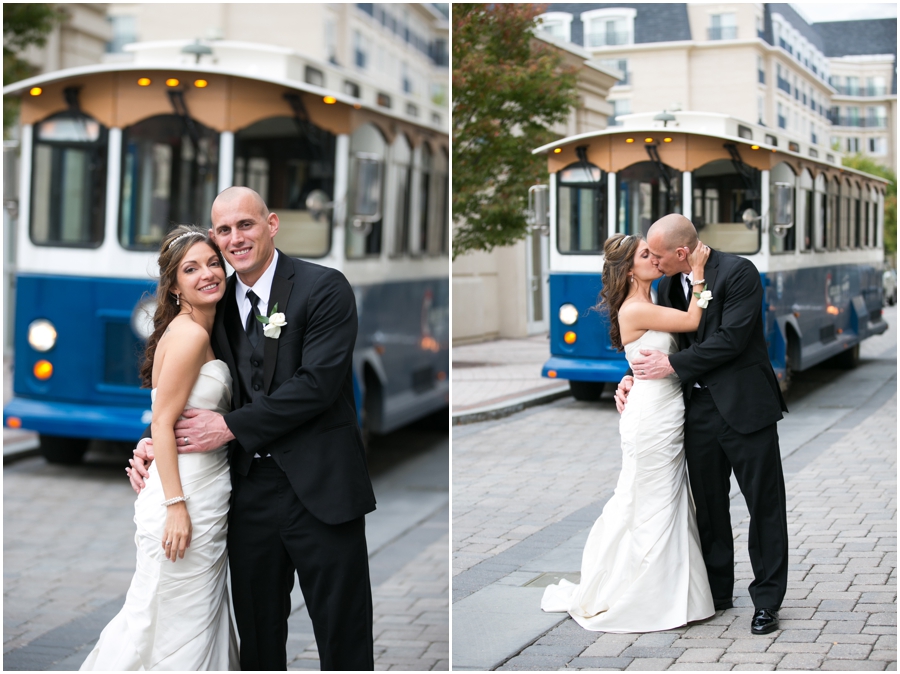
609	14
564	17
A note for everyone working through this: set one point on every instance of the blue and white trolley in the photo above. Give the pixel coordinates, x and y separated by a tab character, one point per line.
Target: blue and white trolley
812	227
113	155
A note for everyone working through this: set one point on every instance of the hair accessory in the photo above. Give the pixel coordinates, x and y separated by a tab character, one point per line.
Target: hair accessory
622	240
181	236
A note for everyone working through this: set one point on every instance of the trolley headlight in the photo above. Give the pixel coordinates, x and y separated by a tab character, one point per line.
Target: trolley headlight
142	318
568	314
41	335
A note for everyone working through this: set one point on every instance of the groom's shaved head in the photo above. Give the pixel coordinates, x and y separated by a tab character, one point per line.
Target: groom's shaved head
671	232
231	195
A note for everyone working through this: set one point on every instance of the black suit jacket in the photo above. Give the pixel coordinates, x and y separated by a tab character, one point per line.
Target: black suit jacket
307	418
729	353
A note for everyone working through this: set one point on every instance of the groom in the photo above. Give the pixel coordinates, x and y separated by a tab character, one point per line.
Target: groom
300	486
732	405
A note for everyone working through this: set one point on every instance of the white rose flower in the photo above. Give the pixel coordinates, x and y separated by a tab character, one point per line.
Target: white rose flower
703	300
272	329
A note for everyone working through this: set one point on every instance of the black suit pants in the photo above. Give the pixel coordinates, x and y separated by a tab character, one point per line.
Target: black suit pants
270	535
713	449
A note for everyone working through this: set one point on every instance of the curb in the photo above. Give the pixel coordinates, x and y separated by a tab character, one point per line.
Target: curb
20	449
508	408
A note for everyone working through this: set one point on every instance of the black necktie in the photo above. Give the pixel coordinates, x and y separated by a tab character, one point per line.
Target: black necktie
687	291
253	326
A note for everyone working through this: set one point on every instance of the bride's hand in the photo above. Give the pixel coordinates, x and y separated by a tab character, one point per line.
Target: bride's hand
177	533
698	257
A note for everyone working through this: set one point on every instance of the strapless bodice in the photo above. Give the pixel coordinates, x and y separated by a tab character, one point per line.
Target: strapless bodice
212	390
658	341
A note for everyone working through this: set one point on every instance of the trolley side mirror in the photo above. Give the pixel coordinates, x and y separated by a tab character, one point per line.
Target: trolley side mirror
783	209
538	214
367	192
319	204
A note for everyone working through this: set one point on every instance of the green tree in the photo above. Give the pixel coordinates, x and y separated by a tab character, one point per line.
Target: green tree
867	165
508	89
24	24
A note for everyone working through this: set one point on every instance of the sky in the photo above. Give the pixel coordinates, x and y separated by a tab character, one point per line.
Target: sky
820	11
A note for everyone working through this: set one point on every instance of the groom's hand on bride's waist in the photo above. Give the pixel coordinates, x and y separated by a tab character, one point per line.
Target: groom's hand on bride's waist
622	391
143	455
201	431
651	364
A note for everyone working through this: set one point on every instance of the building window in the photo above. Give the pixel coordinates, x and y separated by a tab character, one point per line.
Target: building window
412	110
722	27
359	48
620	65
852	88
876	117
314	76
771	140
557	24
761	69
878	146
853	145
782	119
124	32
852	116
608	27
875	86
761	112
783	82
620	107
406	80
383	100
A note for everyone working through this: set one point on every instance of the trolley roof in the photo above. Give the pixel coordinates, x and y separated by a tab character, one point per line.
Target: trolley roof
248	60
707	124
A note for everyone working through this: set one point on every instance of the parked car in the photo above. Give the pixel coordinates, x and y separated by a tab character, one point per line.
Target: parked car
889	282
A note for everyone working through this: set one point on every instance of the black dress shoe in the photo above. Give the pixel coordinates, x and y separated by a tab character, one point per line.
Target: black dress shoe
723	606
765	620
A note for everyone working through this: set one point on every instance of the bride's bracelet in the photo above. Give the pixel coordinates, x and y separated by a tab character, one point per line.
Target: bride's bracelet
696	283
173	501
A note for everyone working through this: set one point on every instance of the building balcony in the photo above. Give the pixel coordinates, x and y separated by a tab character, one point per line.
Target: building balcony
608	39
722	33
860	122
861	91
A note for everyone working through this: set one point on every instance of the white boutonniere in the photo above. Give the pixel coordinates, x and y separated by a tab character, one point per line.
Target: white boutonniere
703	297
273	323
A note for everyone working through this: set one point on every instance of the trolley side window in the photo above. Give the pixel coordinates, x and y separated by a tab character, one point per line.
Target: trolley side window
169	177
368	149
722	192
68	195
581	209
286	160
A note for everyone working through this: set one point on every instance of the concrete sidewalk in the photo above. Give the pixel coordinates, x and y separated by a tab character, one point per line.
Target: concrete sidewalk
498	378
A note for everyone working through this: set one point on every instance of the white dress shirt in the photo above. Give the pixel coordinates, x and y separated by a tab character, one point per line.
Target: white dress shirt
262	288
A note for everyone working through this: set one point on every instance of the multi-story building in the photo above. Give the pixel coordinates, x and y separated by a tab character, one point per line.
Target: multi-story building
398	50
762	62
863	56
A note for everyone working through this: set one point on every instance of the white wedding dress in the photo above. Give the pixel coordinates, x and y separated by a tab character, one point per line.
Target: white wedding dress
642	569
177	616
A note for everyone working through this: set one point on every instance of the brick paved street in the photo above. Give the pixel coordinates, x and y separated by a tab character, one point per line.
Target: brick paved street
69	558
527	489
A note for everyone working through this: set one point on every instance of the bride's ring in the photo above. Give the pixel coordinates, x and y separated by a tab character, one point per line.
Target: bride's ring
185	439
168	543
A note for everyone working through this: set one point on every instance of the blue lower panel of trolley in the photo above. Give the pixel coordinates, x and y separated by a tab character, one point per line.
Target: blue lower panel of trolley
585	370
79	421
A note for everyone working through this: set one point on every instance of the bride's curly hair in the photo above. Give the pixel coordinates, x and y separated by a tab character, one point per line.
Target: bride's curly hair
618	259
171	252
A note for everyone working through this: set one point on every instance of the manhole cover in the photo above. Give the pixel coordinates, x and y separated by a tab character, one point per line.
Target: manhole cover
553	577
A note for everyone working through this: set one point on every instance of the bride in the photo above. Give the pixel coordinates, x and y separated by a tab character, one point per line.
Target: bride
642	569
177	613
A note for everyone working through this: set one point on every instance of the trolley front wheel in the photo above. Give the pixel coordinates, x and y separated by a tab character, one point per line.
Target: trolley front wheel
588	391
62	450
